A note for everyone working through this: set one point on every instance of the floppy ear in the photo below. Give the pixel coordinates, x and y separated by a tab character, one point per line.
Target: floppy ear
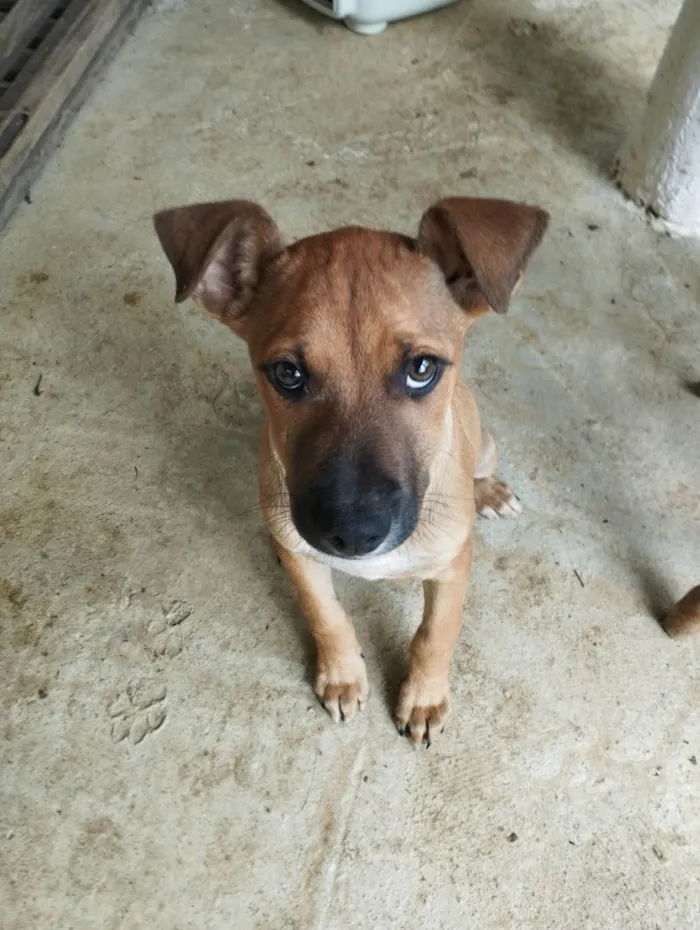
482	247
218	252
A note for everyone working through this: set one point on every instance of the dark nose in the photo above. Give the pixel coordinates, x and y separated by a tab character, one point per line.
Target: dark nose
348	515
352	528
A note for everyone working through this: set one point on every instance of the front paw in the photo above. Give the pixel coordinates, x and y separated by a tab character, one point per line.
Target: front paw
341	685
423	707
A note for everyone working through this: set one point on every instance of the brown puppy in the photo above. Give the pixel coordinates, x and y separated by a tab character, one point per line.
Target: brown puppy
373	460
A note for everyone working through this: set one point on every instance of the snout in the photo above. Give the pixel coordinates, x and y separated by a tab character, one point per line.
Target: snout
353	513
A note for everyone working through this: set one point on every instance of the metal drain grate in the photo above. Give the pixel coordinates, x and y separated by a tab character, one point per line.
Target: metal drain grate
50	53
23	27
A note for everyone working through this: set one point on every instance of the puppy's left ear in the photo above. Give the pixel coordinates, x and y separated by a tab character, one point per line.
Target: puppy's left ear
219	252
482	247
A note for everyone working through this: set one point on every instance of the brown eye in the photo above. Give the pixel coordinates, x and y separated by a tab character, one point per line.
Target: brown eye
421	374
286	377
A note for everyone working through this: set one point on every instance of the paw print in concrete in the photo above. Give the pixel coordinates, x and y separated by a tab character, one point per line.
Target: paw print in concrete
138	710
165	632
150	627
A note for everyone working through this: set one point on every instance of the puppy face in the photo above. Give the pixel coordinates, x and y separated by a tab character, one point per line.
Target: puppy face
355	337
355	343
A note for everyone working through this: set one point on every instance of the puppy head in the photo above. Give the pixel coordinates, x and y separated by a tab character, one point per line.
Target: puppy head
355	338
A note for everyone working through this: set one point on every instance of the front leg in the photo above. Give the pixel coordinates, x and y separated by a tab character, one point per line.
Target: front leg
341	677
424	700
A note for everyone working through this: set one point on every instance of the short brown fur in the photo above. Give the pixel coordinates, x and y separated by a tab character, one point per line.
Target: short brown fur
349	308
684	618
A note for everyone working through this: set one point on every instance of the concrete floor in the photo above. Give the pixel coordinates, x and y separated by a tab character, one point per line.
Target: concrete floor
163	762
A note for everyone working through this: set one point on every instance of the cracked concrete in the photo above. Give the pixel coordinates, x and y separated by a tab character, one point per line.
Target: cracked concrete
163	763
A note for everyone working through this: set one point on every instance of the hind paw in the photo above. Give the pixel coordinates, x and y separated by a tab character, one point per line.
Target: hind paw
494	498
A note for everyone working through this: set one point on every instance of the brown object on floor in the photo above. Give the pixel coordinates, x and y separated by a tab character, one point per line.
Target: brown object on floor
51	53
684	618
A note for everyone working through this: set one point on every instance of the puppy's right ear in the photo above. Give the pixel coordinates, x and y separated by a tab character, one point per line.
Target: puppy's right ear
218	252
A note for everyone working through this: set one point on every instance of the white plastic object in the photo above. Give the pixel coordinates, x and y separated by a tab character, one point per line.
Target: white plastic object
370	17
